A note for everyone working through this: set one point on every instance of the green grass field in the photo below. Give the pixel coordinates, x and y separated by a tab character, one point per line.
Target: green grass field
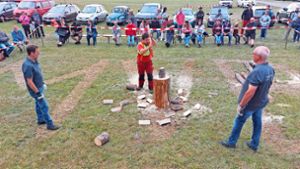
193	143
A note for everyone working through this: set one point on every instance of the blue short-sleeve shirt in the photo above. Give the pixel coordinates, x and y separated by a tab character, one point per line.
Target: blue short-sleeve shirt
262	77
31	69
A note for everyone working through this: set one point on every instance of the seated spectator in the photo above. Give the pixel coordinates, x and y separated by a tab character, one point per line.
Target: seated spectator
2	57
76	32
236	33
187	33
19	39
250	32
91	31
5	46
170	27
217	32
227	32
163	31
144	27
264	21
63	32
116	30
130	32
199	32
155	26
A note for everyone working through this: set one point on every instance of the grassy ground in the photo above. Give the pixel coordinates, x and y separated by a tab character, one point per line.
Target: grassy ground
192	145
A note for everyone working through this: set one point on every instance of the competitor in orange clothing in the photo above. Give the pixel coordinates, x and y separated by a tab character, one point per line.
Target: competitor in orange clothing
144	61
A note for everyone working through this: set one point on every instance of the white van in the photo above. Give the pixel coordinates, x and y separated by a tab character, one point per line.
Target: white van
245	3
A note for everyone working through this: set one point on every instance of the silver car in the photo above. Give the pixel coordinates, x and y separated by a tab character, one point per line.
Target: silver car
94	12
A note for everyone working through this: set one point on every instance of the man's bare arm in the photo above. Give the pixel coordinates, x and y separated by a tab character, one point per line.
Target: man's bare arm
248	95
32	85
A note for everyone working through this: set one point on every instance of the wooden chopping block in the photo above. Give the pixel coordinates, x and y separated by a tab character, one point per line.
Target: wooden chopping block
102	139
161	92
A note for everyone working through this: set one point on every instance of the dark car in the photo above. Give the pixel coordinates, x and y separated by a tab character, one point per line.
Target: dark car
69	12
148	12
284	14
7	10
118	14
214	12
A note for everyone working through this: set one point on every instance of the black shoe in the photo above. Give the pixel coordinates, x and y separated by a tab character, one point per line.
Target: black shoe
250	146
252	46
225	144
53	127
41	123
199	45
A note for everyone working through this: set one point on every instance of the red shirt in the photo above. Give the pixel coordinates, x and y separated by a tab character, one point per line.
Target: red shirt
147	56
130	30
180	18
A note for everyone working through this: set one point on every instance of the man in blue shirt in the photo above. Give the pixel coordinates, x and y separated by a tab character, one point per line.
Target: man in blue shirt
19	38
35	84
253	98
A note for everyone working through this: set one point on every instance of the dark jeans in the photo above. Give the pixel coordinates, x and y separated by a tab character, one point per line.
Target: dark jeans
170	37
239	123
39	30
7	48
296	36
88	37
263	32
229	38
63	39
237	38
27	30
42	109
157	33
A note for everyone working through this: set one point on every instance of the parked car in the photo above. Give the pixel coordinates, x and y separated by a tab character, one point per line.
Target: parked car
148	12
189	15
245	3
7	10
227	3
213	13
283	15
95	12
29	6
118	14
258	11
67	11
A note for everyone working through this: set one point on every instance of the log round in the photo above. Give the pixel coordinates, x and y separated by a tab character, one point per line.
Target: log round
102	139
161	92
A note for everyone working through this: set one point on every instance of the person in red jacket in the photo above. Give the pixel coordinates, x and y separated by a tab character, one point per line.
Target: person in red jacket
130	32
180	19
144	61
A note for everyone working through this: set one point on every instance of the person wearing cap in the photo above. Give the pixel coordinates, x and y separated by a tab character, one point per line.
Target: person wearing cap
296	26
265	22
144	61
199	15
246	16
253	99
36	87
250	32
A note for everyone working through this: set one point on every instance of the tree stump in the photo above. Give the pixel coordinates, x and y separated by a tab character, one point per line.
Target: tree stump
161	92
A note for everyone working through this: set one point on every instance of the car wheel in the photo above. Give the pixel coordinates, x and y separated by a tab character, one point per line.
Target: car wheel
96	20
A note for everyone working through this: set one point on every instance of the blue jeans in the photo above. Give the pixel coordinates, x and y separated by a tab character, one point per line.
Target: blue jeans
218	39
296	36
239	123
229	38
157	33
263	32
170	37
8	47
42	109
199	38
130	40
187	39
94	37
